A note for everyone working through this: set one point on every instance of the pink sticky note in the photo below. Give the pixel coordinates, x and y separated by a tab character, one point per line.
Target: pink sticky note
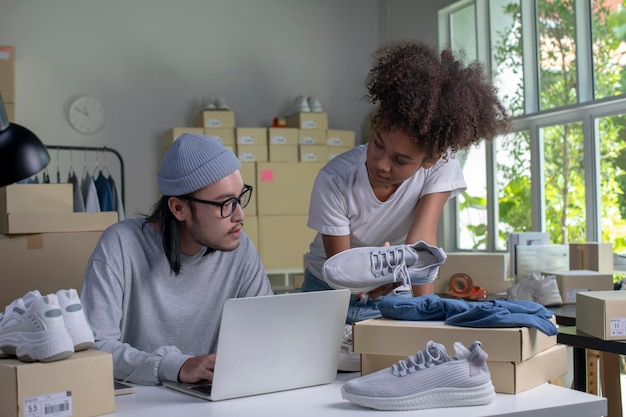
267	175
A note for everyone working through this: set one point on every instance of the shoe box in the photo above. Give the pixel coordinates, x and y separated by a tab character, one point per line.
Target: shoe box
313	153
284	188
519	357
342	138
252	144
170	135
283	144
308	120
283	240
487	270
79	386
43	208
593	256
575	281
226	135
215	118
46	261
602	314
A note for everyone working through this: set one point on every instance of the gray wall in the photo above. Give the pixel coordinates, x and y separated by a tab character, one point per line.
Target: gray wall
151	62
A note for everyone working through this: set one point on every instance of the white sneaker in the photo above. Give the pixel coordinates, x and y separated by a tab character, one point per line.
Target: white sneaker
207	104
220	104
542	289
314	105
348	360
364	269
75	320
301	105
430	379
32	328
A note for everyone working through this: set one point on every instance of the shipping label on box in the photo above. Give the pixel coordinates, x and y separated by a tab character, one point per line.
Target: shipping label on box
311	137
251	136
215	118
81	385
572	282
602	314
313	153
308	120
345	138
226	135
282	136
252	153
510	344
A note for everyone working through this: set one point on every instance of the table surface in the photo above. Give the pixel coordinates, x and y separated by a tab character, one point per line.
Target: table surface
325	400
568	335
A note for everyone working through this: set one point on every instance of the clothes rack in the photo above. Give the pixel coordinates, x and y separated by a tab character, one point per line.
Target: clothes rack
96	149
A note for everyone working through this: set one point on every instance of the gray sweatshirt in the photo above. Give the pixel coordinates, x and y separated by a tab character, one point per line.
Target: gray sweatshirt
151	320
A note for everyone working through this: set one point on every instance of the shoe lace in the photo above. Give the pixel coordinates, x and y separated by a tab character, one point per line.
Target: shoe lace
390	260
433	355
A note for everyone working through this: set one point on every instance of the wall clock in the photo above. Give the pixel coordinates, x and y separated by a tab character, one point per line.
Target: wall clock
87	114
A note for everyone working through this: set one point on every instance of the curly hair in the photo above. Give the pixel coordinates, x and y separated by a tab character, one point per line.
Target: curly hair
433	97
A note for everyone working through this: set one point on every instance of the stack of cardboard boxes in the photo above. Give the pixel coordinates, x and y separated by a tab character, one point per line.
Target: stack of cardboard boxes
281	163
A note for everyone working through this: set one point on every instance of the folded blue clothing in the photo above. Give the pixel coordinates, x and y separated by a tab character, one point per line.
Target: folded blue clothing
488	313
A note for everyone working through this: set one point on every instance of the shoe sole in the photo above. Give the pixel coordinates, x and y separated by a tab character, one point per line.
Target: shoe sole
40	346
436	398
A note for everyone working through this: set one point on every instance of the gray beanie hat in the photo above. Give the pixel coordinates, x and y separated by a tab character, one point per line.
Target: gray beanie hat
193	162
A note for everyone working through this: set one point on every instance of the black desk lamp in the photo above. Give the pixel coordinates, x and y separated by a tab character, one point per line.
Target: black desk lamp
21	152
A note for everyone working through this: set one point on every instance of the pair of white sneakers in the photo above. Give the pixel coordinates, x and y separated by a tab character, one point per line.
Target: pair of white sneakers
218	104
306	105
44	328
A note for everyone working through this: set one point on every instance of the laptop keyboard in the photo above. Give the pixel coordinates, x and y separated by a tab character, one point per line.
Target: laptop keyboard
206	389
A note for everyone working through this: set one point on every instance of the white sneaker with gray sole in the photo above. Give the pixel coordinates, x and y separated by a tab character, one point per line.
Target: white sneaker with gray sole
429	379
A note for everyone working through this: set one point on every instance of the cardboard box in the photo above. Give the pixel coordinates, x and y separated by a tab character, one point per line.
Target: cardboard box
80	386
7	73
334	151
248	174
26	223
36	198
170	135
592	256
313	153
344	138
312	137
48	262
284	153
487	270
308	120
252	153
215	118
226	135
509	344
282	136
283	241
251	136
507	377
602	314
572	282
284	188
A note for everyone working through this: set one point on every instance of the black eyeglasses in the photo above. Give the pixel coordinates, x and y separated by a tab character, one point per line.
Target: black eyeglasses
227	207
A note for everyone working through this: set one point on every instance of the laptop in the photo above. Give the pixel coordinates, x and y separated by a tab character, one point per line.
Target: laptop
275	343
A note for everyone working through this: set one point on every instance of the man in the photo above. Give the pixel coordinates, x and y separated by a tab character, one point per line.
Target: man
155	286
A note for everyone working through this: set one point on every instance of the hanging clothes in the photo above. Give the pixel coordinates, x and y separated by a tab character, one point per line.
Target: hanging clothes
79	204
90	194
103	189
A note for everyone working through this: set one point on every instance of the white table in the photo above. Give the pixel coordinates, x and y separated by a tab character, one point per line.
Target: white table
325	400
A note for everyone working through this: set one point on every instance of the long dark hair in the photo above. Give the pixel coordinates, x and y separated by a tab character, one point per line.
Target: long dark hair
168	228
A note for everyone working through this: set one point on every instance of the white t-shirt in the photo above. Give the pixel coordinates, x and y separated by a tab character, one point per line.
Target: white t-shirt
343	203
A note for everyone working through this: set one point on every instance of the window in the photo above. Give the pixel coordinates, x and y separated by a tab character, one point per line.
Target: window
560	68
